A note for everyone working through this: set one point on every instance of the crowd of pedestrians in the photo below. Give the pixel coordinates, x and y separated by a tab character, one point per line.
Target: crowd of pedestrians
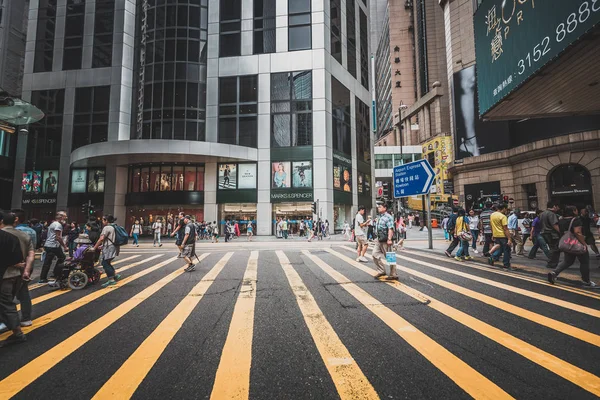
504	235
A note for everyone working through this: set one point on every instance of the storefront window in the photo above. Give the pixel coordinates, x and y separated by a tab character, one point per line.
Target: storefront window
145	178
177	179
135	181
166	178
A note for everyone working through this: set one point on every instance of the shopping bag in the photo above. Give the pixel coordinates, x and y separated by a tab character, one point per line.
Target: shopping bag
390	257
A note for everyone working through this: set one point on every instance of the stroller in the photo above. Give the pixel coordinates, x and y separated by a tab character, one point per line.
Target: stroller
79	273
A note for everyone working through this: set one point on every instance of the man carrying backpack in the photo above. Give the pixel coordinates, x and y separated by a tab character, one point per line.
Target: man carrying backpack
110	249
189	243
451	225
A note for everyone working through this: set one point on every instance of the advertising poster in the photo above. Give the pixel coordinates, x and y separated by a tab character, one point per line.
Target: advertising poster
302	174
281	175
367	184
96	181
246	176
438	151
50	181
36	181
361	181
227	176
78	180
337	172
26	182
473	136
346	179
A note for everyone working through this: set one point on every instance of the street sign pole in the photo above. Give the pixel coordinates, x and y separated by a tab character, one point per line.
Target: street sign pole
429	233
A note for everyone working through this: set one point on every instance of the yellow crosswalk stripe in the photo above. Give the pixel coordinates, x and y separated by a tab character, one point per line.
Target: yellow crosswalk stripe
518	311
467	378
59	292
60	312
538	296
39	285
27	374
130	375
515	275
232	380
576	375
347	376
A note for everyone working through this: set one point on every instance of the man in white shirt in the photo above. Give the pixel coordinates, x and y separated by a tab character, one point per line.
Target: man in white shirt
54	247
361	237
157	227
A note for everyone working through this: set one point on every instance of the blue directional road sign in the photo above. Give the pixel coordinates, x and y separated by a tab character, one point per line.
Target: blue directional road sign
412	179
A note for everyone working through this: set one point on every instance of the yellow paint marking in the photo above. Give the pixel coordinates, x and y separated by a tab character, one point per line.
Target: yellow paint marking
60	312
130	375
515	275
574	374
537	296
504	306
27	374
59	292
467	378
232	380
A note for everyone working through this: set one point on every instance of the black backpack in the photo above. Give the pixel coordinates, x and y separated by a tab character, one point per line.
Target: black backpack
452	222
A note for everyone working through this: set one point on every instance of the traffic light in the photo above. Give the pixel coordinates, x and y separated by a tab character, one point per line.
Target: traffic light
505	199
84	208
386	190
314	207
91	211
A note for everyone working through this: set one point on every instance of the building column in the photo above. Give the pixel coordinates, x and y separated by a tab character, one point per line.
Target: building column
20	159
115	191
210	192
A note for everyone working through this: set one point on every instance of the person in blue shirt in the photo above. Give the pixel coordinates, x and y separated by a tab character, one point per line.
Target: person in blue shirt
515	235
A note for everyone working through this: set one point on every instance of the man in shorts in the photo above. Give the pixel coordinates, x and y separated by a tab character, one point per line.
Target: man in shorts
179	232
188	245
359	234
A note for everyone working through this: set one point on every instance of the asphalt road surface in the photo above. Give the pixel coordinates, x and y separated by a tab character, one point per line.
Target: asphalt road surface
299	321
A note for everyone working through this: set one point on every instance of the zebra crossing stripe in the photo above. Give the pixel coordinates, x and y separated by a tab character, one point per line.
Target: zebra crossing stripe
466	377
347	376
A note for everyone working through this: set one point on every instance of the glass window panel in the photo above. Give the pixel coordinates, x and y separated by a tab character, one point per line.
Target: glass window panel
193	51
249	88
194	17
248	131
167	130
191	130
279	107
182	15
280	86
154	179
83	100
299	38
227	130
303	129
180	94
145	180
302	86
200	179
230	9
170	50
168	94
248	109
165	178
227	90
177	179
281	130
135	180
159	51
179	130
99	133
182	50
192	95
298	6
190	179
229	45
301	19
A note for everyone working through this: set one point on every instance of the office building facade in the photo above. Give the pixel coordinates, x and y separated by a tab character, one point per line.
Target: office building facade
247	110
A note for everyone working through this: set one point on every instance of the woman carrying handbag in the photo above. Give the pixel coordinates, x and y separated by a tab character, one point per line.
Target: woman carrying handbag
461	231
572	244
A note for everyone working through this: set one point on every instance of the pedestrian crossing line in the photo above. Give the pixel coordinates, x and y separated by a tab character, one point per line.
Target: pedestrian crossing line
31	371
537	296
568	371
58	292
39	285
467	378
562	327
348	378
126	380
232	380
517	275
62	311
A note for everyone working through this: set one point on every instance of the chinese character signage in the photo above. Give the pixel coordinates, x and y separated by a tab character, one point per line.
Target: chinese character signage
515	38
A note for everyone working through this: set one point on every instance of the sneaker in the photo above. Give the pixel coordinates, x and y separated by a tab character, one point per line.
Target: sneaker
491	261
160	245
457	258
26	323
391	278
3	327
190	268
109	283
364	259
552	277
590	285
43	281
14	339
379	275
475	251
53	283
448	254
487	254
358	259
468	258
154	245
138	245
117	277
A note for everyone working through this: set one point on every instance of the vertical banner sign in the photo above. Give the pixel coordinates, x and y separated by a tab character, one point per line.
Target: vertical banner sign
515	38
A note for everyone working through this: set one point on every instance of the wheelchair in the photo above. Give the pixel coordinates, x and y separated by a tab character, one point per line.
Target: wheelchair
79	274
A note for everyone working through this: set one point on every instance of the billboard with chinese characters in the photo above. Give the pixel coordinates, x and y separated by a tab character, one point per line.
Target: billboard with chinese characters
515	38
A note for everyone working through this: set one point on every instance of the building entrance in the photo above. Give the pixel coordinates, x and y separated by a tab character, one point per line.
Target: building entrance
294	212
242	213
571	184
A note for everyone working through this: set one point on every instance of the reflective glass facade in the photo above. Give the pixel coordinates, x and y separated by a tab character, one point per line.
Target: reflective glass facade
174	100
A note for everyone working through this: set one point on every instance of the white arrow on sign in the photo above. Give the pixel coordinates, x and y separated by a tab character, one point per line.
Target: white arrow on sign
430	176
